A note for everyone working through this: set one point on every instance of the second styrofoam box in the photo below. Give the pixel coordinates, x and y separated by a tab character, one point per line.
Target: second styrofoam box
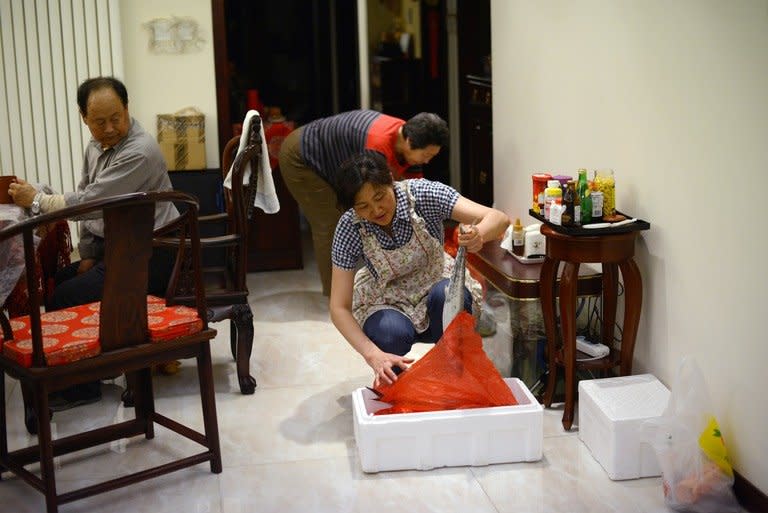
611	412
426	440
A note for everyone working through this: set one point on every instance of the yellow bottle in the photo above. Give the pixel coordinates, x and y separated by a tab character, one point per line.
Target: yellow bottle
518	238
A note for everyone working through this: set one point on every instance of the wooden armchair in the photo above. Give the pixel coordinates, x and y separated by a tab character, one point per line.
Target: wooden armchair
226	291
127	332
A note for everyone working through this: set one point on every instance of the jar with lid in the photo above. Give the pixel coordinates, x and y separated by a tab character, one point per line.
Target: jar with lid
552	194
606	183
539	185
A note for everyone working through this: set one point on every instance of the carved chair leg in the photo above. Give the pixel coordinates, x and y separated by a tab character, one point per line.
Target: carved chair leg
30	414
242	321
233	339
127	395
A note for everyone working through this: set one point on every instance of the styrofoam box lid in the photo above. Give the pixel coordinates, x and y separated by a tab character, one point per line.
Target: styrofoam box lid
628	397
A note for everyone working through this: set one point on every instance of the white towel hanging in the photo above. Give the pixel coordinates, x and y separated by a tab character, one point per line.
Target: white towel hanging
266	195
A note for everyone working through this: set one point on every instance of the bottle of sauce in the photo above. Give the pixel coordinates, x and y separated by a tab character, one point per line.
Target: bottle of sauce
552	194
585	200
518	238
569	195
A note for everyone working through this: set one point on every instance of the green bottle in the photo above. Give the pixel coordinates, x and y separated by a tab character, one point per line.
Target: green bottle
582	188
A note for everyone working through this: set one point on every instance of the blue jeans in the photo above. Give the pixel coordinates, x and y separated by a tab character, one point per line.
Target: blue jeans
394	333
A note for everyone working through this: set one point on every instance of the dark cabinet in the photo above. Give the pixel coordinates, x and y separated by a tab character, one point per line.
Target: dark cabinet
274	240
477	132
396	86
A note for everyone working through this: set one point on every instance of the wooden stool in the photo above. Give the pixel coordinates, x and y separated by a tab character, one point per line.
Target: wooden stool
615	252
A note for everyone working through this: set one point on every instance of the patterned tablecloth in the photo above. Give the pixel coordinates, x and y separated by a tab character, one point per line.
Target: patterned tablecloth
11	251
53	247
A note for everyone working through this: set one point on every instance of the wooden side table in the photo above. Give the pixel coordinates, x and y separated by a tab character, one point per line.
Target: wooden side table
615	252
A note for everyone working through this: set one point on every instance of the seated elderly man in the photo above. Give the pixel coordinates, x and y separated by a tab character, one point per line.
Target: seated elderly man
120	158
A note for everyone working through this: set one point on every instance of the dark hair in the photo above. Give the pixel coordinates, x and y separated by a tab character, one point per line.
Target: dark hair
426	129
358	170
94	84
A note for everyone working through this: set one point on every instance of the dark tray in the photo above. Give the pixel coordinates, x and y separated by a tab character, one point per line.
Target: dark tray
637	226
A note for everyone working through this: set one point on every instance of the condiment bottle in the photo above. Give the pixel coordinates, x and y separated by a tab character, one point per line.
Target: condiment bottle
569	195
518	238
552	194
597	204
582	188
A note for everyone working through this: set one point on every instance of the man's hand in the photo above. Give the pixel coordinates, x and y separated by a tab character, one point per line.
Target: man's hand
382	364
85	265
22	193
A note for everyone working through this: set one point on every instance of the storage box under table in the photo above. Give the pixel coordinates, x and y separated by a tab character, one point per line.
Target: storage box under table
611	413
426	440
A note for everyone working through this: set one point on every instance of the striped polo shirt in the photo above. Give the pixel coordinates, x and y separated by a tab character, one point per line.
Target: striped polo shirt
327	142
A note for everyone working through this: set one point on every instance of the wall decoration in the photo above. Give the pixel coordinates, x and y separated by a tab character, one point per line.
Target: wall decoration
173	35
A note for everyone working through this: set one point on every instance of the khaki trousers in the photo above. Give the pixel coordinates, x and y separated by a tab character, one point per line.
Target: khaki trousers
317	201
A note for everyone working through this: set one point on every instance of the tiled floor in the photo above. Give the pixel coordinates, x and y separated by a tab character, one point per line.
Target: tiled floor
290	447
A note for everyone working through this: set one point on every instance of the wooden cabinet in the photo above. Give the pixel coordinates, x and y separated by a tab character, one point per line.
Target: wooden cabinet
274	240
396	86
477	139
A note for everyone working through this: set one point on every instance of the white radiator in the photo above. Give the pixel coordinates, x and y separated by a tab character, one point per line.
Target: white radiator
47	47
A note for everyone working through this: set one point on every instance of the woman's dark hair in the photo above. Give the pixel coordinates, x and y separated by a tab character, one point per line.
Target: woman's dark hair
426	129
367	167
94	84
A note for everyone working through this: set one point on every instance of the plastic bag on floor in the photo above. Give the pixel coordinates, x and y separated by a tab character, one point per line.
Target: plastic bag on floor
697	475
455	374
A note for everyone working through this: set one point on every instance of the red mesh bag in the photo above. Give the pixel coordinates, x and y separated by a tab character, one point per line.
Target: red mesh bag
455	374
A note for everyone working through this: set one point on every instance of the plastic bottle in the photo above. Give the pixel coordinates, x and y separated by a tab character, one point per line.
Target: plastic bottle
597	203
518	238
552	194
585	199
606	183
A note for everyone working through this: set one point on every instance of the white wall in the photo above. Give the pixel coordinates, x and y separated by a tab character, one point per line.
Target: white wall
165	83
674	97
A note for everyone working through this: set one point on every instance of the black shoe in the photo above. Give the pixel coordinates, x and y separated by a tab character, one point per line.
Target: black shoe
77	395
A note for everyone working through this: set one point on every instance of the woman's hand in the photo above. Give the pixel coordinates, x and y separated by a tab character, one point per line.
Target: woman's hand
470	237
382	364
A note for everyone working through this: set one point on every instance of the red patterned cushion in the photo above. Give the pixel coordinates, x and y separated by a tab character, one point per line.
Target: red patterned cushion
169	322
72	334
68	335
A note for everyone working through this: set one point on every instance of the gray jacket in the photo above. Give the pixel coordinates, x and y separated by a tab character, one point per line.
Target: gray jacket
135	164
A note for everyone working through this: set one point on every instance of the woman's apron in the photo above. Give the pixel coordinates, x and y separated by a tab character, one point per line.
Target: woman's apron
405	275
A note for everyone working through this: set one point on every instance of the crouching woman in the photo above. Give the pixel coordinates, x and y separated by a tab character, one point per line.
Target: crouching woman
395	231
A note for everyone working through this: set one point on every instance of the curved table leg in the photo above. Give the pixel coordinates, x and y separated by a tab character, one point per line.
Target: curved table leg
568	283
547	281
633	304
610	298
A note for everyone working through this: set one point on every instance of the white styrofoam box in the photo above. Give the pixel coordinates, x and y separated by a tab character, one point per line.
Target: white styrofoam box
426	440
611	412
